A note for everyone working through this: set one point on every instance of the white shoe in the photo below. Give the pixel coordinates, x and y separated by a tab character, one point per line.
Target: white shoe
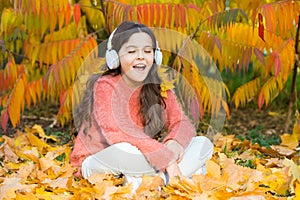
134	181
202	170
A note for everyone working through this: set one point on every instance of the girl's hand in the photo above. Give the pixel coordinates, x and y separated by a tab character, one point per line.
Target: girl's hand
173	170
176	148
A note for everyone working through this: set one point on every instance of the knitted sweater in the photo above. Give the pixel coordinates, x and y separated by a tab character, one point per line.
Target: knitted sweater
116	119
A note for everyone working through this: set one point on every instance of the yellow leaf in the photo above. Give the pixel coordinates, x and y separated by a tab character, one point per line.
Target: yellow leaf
32	154
42	194
35	141
166	83
12	166
26	196
294	169
278	180
45	164
296	131
289	140
276	114
12	184
21	140
39	129
213	169
297	191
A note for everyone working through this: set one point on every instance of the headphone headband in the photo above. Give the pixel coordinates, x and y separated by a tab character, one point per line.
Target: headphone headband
109	45
112	57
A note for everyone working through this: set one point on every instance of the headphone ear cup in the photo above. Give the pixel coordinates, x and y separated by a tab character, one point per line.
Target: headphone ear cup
112	59
158	57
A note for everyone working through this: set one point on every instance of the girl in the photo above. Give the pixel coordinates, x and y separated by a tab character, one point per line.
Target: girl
123	112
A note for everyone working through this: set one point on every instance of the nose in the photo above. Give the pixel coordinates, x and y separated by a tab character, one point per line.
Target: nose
140	54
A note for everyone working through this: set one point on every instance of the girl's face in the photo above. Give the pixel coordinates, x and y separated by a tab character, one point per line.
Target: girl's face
136	58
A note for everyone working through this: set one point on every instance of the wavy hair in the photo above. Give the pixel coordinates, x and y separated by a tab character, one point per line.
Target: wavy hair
151	101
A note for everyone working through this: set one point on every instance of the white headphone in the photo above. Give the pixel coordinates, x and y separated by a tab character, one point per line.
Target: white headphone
112	57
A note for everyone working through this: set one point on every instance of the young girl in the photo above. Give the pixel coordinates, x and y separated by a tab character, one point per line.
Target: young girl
123	112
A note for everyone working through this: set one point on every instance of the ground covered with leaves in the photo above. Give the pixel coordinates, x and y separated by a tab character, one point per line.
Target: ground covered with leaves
35	165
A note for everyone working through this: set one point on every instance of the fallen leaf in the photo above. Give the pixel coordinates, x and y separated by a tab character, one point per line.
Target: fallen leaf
39	129
35	141
25	170
213	169
274	162
11	185
208	183
149	186
239	177
297	191
26	196
289	140
294	169
284	151
10	155
278	180
56	183
249	197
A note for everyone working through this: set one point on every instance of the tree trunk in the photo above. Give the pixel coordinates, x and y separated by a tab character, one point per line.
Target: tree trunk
293	87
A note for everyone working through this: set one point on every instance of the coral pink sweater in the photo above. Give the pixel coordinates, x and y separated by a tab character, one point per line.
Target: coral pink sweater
115	119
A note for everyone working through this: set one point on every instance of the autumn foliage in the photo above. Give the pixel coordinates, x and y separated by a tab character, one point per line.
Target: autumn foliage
44	44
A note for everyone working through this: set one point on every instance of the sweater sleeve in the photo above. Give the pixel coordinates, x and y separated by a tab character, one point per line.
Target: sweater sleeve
86	145
178	125
110	109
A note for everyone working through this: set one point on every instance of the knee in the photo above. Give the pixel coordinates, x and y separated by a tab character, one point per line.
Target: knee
127	147
202	140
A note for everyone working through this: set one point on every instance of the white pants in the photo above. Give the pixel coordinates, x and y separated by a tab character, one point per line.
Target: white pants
124	158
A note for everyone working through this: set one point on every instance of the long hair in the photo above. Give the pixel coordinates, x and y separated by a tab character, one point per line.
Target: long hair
151	101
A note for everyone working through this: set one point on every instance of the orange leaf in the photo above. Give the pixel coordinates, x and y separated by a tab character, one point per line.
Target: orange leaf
183	16
170	14
77	13
146	15
177	16
4	119
139	13
151	14
261	100
68	15
61	19
277	65
158	11
16	101
164	15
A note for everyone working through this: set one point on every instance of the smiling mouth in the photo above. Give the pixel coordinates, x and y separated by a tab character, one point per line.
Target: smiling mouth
139	67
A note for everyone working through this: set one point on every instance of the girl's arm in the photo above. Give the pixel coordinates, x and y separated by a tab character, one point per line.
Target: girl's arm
178	124
85	145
